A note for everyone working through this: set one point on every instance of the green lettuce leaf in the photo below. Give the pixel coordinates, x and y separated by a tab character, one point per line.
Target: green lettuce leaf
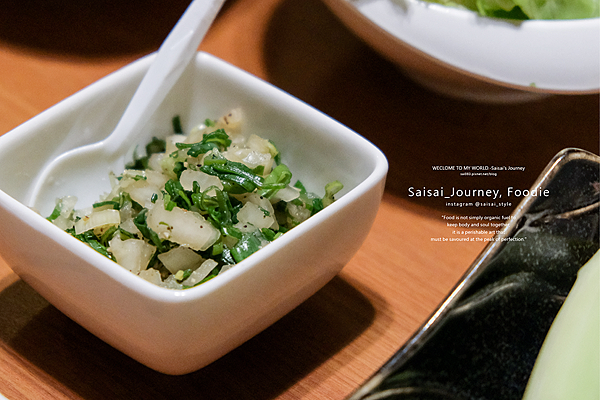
530	9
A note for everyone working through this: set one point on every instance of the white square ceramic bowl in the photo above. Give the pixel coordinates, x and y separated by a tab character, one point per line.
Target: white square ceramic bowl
171	331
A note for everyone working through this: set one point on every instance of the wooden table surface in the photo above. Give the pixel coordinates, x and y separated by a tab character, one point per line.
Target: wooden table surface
335	340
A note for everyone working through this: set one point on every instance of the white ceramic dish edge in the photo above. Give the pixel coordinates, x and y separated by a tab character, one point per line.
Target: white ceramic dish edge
539	57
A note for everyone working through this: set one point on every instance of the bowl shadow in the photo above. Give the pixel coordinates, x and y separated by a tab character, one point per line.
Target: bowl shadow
312	55
264	367
89	29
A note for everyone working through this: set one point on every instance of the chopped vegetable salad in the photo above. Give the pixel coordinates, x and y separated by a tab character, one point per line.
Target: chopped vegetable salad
194	204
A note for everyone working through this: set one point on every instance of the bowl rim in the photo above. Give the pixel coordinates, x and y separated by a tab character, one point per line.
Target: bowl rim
392	26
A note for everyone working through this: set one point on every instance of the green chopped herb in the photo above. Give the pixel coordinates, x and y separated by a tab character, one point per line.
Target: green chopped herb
330	190
154	147
140	223
177	195
215	140
92	240
56	212
176	121
278	179
247	245
113	203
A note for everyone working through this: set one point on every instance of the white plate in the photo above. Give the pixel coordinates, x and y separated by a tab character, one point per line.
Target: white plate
448	48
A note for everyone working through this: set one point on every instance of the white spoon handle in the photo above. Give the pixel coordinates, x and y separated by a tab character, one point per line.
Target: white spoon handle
176	52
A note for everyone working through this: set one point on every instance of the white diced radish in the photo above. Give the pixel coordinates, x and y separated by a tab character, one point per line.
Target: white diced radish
252	214
180	258
200	273
171	283
298	213
264	206
132	254
151	275
105	218
231	122
286	194
188	177
187	228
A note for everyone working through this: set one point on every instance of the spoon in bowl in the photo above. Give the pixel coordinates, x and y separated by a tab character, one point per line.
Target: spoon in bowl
91	163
